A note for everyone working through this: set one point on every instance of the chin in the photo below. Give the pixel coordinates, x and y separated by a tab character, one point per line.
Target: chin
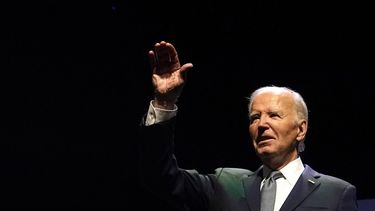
265	152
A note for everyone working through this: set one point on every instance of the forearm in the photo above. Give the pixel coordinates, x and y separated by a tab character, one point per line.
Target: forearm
161	173
157	158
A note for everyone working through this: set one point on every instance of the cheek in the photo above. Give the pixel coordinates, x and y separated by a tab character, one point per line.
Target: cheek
252	132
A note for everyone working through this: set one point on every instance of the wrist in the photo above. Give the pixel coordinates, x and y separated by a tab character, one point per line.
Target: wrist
163	104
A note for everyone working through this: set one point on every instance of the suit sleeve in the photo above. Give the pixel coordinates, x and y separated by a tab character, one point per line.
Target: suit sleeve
160	173
349	199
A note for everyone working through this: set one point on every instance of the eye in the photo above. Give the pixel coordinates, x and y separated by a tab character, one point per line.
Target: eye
254	117
274	115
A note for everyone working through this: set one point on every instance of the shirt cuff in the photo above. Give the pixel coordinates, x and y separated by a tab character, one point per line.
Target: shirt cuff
156	115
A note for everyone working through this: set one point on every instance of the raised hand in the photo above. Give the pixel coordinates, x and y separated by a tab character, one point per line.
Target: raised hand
168	76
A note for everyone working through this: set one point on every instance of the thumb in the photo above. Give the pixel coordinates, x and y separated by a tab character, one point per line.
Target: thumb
186	67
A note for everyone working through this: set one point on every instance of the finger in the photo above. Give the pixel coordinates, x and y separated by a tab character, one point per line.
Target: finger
173	56
163	52
152	59
186	67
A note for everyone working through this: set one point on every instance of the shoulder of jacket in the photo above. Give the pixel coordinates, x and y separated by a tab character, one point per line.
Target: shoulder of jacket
324	178
232	171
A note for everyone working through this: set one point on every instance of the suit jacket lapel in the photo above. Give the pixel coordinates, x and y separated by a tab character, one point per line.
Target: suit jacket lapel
304	186
252	190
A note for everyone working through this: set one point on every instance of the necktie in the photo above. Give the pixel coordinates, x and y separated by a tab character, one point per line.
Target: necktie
268	192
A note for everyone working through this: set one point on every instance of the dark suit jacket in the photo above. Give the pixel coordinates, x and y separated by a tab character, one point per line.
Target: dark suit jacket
229	189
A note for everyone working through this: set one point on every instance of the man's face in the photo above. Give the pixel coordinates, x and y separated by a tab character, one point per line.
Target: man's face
274	127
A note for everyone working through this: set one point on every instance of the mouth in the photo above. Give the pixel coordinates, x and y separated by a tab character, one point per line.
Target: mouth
264	139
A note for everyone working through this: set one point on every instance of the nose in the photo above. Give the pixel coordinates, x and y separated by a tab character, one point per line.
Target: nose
263	123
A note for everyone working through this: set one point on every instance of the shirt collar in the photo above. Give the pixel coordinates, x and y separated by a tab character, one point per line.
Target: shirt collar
291	171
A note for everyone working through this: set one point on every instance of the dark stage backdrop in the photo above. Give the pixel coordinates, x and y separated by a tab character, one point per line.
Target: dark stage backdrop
75	82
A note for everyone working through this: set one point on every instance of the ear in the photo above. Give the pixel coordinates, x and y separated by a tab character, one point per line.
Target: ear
302	129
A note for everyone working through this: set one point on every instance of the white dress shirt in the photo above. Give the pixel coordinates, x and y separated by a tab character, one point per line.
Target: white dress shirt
285	184
155	115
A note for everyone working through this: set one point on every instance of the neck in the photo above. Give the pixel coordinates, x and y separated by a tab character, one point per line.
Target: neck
278	162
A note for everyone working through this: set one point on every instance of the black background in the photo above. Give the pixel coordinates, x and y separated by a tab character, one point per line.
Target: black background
75	82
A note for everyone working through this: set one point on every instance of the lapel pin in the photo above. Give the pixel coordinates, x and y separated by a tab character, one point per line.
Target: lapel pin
311	181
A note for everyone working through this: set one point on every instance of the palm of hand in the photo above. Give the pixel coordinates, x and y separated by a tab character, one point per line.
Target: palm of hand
168	82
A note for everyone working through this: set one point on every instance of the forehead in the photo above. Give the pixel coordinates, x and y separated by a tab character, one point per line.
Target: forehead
271	101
